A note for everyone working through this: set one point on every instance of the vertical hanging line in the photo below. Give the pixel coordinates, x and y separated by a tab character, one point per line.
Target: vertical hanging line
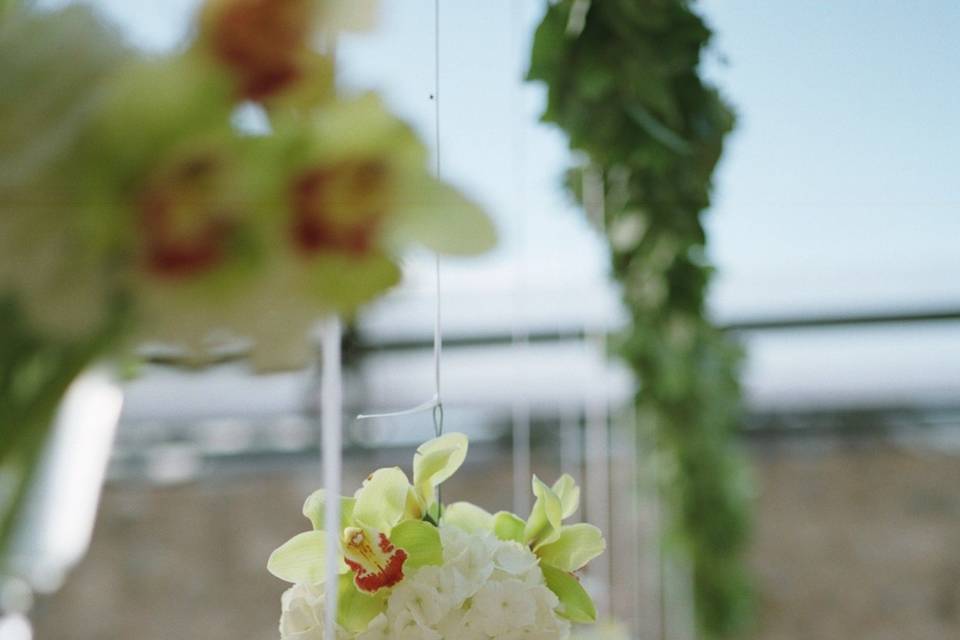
435	403
331	410
437	332
522	466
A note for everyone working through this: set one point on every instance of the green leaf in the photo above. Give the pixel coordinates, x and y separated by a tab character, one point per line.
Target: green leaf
356	609
421	541
435	461
303	558
577	545
382	500
544	524
569	494
507	526
575	603
468	517
314	508
659	132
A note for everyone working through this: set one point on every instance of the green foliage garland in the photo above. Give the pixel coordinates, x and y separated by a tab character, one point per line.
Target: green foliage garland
623	83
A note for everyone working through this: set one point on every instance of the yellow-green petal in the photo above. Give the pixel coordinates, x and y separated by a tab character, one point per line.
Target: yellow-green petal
569	494
438	217
575	603
435	461
381	502
421	541
577	545
314	508
468	517
543	526
507	526
302	559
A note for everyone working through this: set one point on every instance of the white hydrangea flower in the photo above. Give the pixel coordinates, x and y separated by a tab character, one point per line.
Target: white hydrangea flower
404	626
505	606
470	554
516	560
445	581
302	614
548	623
377	629
462	625
419	596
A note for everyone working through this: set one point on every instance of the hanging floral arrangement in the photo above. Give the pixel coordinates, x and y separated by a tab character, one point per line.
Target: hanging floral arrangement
624	83
414	568
137	208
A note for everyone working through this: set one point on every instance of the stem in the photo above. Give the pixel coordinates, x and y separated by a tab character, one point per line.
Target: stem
27	442
35	373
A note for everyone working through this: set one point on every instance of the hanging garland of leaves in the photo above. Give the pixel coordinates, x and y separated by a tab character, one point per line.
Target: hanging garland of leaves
623	83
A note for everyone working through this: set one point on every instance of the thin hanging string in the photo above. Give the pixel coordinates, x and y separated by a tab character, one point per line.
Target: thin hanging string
520	405
331	407
435	403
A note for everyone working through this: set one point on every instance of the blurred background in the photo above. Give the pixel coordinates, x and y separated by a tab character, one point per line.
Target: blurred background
835	231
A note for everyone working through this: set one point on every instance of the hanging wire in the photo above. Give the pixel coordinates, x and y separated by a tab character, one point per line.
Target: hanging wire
520	418
435	403
331	407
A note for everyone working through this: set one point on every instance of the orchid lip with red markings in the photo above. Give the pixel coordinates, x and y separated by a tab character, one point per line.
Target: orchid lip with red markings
339	208
185	227
376	566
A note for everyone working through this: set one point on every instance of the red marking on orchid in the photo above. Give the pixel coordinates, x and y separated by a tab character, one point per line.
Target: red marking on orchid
262	41
338	208
184	229
375	568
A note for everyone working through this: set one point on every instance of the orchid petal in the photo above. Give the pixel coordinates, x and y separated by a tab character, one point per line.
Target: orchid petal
577	545
421	541
544	524
382	500
507	526
303	558
356	609
468	517
435	461
569	493
438	217
314	508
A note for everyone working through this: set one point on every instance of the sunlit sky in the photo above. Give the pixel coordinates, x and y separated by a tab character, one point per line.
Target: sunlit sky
840	188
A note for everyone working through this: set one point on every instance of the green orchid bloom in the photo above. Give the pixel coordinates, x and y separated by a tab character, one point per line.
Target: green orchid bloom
386	530
561	549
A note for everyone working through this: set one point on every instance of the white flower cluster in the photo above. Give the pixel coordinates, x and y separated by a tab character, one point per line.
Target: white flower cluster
485	589
303	614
